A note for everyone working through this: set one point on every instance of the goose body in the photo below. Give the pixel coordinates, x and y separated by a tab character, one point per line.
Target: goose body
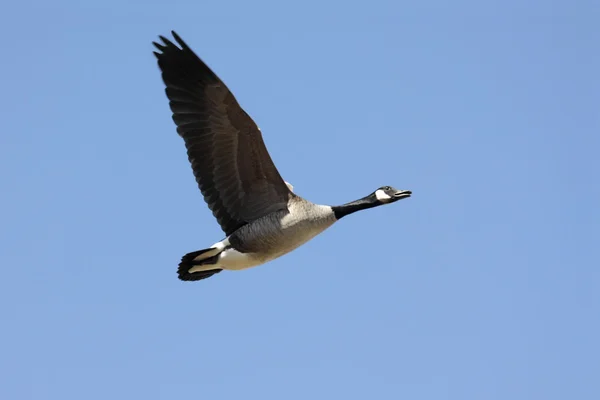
272	235
260	214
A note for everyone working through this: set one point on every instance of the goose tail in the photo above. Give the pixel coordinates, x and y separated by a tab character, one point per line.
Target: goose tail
199	265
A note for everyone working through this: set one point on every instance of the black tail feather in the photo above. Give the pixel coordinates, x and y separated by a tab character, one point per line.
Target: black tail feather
187	262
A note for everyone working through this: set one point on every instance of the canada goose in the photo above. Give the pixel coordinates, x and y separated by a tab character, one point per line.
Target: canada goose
261	216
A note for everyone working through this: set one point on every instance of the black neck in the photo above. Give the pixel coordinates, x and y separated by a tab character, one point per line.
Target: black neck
354	206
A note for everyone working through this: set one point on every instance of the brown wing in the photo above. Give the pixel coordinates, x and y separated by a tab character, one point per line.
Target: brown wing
225	147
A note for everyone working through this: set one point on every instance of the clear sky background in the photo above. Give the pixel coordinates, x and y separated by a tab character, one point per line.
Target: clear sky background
484	285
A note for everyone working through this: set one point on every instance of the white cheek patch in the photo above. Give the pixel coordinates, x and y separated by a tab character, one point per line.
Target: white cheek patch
381	195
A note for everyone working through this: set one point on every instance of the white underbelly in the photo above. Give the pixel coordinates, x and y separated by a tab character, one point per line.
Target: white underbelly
234	260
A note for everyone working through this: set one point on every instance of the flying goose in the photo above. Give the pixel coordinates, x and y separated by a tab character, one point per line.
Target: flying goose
260	214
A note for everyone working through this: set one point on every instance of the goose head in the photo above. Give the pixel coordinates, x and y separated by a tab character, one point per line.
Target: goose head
389	194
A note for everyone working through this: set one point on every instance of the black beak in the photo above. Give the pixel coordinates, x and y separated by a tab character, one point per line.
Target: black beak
401	194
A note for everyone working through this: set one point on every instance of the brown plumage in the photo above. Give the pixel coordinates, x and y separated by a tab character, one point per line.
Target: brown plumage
229	159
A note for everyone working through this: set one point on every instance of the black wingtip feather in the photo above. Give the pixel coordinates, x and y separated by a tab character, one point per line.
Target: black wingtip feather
168	45
159	46
165	40
179	40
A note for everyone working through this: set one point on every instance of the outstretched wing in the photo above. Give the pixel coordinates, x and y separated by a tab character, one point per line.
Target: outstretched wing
229	159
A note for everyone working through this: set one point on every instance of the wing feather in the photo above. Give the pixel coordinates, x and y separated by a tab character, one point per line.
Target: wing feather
229	159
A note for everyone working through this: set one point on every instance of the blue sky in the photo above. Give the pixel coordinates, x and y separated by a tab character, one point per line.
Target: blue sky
483	285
